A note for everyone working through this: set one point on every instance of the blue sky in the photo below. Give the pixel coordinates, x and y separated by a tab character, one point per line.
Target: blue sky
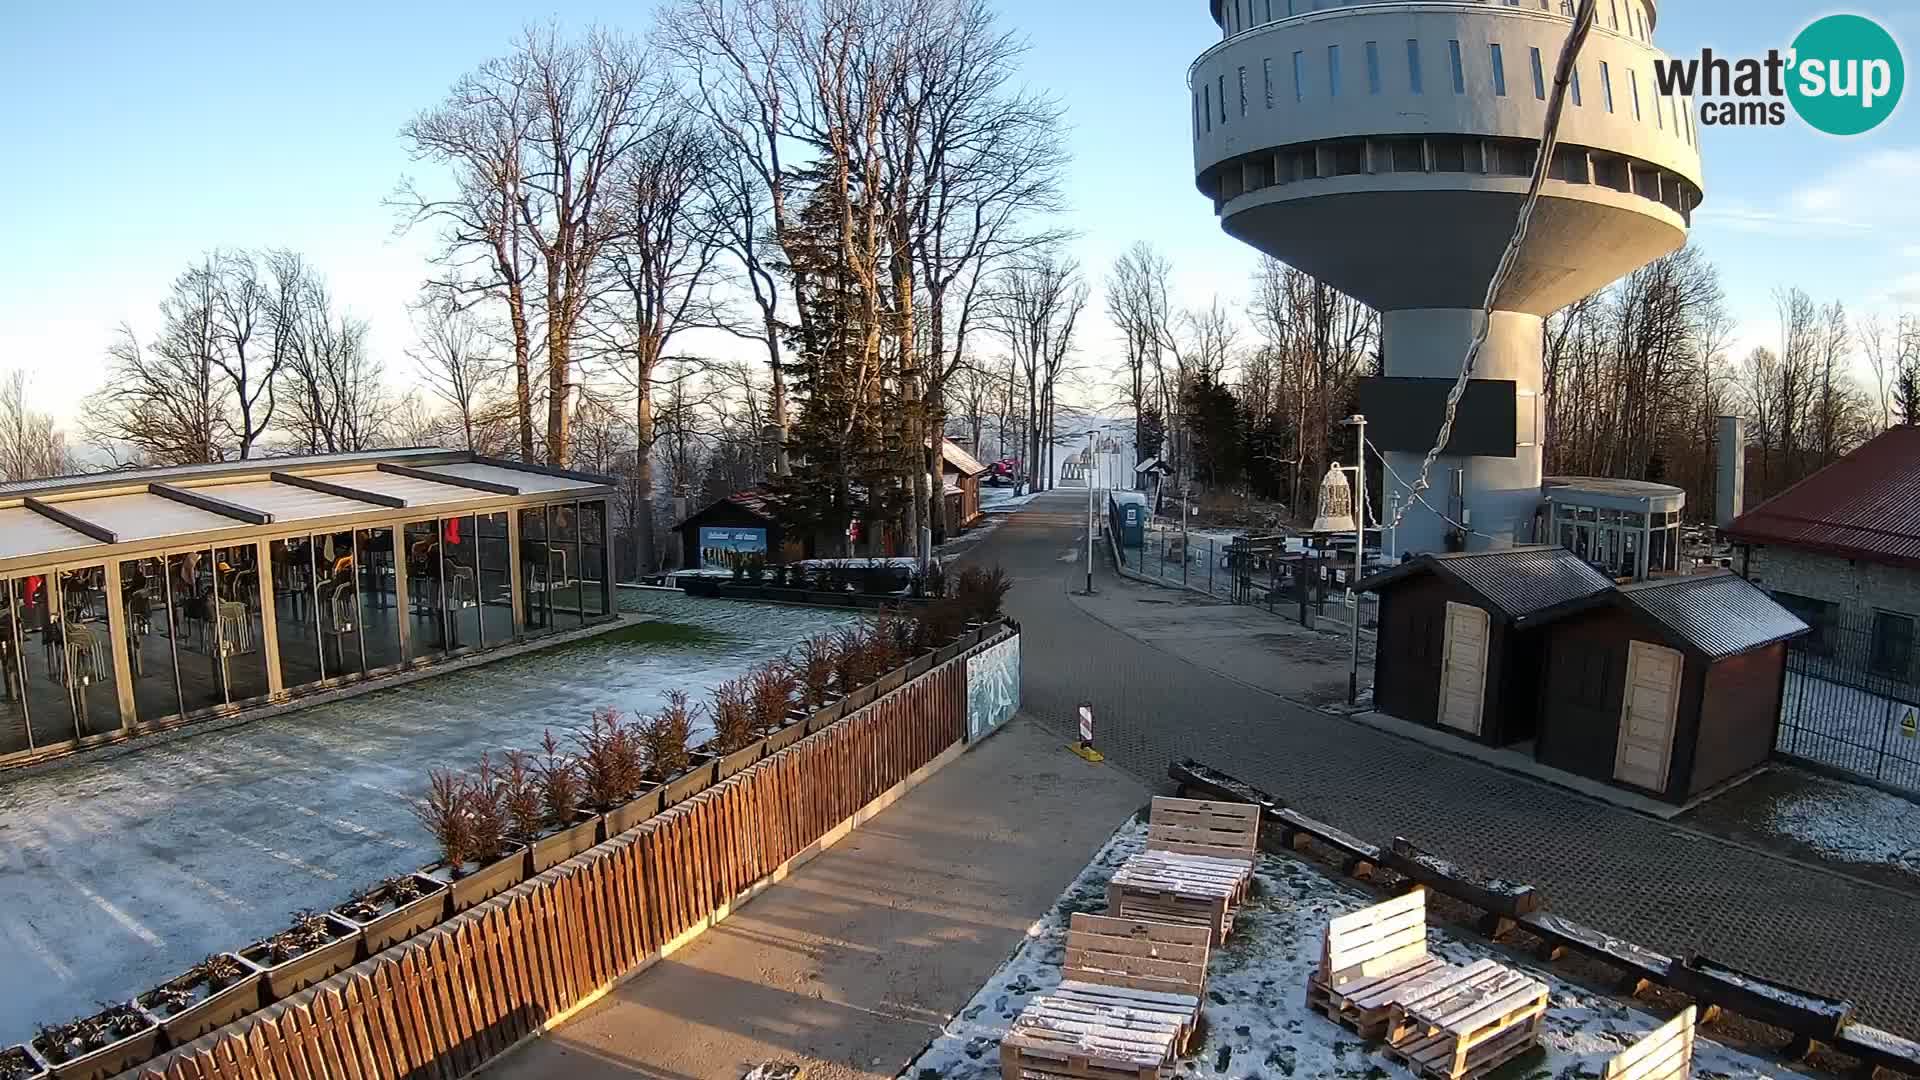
140	135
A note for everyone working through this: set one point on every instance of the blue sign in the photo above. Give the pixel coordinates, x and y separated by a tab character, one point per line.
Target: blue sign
725	546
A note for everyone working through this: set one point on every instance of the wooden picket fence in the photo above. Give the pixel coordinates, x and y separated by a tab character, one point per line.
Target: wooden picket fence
452	999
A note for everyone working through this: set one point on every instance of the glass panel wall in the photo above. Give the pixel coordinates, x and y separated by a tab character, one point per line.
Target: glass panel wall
379	603
563	541
338	600
296	628
88	646
496	579
143	593
537	565
49	709
459	563
427	619
237	624
594	598
16	733
190	621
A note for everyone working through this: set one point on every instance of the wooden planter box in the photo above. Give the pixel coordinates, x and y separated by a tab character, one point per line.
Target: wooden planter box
483	884
742	759
22	1056
634	811
690	783
289	977
918	665
110	1060
948	652
786	736
557	847
890	681
826	714
859	699
218	1009
393	927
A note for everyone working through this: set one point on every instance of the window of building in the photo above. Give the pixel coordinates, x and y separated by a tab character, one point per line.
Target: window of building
1220	82
1449	155
1615	17
1408	155
1459	70
1606	85
1413	65
1266	76
1299	73
1269	10
1373	67
1539	77
1206	105
1499	71
1659	106
1243	91
1349	158
1333	70
1196	112
1576	87
1633	77
1239	17
1892	653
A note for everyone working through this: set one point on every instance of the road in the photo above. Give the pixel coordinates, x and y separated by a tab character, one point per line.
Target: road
1667	886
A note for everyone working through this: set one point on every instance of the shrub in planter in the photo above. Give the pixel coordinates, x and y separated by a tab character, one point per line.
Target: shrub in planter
938	624
936	581
394	910
313	948
756	569
981	592
814	668
772	690
211	994
20	1063
101	1045
882	643
732	710
465	816
850	660
611	767
443	810
664	737
559	776
520	796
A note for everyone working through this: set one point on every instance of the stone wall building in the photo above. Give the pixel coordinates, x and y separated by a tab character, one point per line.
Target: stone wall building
1841	549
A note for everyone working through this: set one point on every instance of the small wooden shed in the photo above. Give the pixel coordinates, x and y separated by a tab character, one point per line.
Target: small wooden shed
739	526
960	483
1670	686
1459	640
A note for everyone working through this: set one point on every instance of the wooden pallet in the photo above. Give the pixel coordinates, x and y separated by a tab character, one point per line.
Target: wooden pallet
1362	1007
1465	1022
1666	1054
1056	1036
1173	887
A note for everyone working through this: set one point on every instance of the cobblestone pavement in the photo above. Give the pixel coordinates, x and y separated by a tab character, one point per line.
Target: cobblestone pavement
1667	887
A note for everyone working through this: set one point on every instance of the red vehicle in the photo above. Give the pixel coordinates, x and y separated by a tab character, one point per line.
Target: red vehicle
1004	473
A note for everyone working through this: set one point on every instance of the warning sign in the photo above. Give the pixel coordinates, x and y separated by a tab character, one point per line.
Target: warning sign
1910	723
1086	723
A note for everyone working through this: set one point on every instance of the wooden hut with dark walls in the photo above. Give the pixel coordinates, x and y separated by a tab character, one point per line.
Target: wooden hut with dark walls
1670	687
737	527
1459	640
960	475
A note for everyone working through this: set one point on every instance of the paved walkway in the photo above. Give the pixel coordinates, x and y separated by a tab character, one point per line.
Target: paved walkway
1666	886
852	965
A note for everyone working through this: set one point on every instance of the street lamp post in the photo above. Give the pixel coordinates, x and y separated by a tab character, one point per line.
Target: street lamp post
1359	423
1090	511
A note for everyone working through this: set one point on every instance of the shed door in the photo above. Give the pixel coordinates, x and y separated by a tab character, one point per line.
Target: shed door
1647	711
1463	668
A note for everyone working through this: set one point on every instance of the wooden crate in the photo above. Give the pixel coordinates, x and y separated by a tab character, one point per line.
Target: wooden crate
1367	958
1227	830
1168	887
1666	1054
1465	1022
1058	1038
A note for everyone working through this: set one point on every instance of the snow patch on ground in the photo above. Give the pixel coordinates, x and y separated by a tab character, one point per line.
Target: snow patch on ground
1257	1023
1002	500
1852	823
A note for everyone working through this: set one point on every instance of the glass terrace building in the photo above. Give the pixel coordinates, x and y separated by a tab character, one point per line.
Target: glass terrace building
131	601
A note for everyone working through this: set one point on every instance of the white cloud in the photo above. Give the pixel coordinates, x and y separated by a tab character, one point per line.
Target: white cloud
1869	193
1905	290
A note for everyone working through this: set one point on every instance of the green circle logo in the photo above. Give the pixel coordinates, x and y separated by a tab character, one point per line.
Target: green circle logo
1847	75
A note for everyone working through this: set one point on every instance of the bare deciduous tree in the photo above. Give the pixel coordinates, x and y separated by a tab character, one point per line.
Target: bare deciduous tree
30	445
1035	307
160	404
456	360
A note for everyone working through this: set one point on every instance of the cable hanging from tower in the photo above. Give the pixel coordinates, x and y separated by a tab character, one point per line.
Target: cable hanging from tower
1562	77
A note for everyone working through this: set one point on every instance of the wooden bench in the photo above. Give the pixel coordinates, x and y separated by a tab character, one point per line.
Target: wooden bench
1465	1022
1196	868
1127	1004
1666	1054
1642	967
1366	958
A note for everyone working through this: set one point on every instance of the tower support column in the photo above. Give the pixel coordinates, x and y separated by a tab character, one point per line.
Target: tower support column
1496	498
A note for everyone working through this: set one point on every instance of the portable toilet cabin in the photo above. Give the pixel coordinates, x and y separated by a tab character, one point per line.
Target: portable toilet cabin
1128	512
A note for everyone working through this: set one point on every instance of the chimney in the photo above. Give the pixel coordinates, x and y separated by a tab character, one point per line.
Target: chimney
1730	478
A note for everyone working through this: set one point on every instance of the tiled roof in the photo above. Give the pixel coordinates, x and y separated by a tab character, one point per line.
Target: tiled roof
1864	506
1718	614
953	455
1518	582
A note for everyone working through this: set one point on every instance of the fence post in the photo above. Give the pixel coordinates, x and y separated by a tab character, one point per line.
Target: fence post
1213	558
1886	735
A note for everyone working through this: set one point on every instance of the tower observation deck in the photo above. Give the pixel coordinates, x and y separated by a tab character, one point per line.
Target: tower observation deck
1386	146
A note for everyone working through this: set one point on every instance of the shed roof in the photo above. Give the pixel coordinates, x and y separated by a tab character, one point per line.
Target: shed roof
1518	583
952	453
1864	506
758	501
1716	614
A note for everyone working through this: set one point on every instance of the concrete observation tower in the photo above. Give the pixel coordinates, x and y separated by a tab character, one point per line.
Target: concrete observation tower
1386	147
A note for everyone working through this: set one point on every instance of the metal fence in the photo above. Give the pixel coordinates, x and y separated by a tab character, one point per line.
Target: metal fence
1851	701
1253	571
